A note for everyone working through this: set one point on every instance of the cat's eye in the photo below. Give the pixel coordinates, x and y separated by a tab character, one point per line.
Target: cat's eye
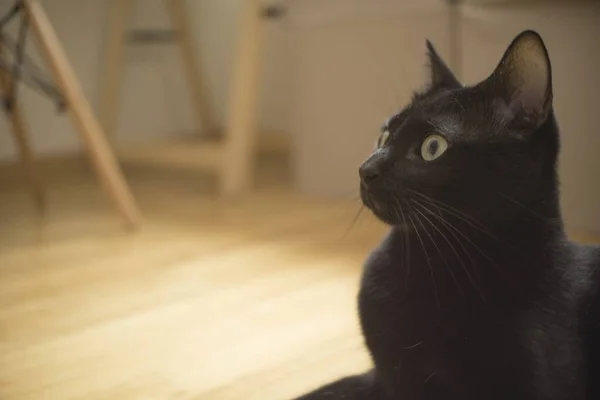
383	138
433	147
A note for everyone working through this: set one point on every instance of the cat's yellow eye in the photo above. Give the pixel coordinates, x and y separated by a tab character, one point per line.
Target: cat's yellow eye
383	138
433	147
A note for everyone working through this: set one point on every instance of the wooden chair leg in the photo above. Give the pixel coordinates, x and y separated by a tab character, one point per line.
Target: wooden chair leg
19	131
120	11
241	135
81	113
191	65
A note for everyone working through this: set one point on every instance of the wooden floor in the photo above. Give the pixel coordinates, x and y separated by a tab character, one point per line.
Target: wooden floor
215	300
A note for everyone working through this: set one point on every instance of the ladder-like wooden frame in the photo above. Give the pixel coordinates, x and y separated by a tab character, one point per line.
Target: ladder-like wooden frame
232	157
82	116
20	133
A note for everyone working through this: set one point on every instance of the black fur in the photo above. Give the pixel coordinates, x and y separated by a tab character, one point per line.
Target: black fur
476	293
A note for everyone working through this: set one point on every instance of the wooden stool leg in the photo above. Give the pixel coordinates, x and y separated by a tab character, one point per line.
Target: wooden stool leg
81	113
181	25
19	131
241	136
120	11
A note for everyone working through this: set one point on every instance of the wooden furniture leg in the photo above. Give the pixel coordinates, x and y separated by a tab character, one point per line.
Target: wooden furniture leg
235	156
81	113
241	135
108	107
19	131
191	66
120	12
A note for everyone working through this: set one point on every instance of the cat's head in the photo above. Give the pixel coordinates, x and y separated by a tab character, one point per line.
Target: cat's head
469	147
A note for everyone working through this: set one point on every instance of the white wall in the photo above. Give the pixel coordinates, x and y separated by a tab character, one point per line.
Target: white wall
354	64
155	100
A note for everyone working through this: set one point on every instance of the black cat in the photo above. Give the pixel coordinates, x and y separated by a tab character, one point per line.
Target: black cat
475	293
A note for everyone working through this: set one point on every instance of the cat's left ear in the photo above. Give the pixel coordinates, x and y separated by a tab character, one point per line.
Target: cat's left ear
440	74
521	85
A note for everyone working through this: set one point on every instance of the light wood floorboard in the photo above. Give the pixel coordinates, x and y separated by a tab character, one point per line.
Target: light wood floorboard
210	300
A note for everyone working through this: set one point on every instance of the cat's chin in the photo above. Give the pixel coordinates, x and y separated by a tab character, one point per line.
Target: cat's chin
387	215
383	211
391	220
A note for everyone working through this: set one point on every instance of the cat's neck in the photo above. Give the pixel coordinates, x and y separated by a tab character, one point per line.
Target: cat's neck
534	223
485	259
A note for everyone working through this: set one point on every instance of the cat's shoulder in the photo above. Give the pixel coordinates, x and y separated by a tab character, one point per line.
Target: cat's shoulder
390	246
385	262
583	267
585	255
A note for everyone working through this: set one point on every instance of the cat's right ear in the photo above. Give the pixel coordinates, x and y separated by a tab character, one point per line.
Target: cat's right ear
440	74
521	85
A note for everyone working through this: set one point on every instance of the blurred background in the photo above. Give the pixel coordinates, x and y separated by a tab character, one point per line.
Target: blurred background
188	227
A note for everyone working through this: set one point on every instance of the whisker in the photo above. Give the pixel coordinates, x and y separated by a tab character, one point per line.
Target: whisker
463	264
465	237
400	215
448	207
447	224
406	247
524	207
429	377
458	214
360	210
396	210
410	215
433	125
457	102
440	251
404	242
473	244
414	346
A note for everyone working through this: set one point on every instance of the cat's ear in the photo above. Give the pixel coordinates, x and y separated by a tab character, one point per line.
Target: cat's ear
440	74
522	82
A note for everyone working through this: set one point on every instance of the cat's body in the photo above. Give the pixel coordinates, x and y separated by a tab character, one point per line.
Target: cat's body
476	293
515	344
589	315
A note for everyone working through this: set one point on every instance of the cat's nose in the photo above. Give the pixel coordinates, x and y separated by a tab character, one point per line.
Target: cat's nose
369	172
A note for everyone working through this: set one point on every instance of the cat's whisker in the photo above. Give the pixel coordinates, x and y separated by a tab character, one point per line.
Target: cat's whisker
397	210
439	251
463	264
404	241
474	245
435	127
448	208
447	225
356	217
400	215
455	99
429	378
458	214
410	216
414	346
465	237
441	209
406	246
524	207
